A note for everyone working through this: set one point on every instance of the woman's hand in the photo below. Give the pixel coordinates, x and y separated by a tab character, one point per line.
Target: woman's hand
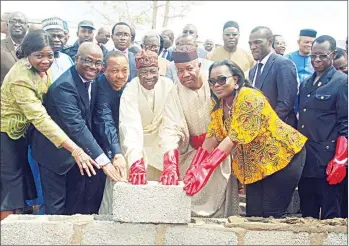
85	162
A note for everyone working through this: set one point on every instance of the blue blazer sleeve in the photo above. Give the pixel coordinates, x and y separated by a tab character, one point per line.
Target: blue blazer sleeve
70	115
106	127
287	87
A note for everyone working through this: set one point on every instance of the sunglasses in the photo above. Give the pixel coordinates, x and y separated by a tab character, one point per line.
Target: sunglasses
322	56
221	80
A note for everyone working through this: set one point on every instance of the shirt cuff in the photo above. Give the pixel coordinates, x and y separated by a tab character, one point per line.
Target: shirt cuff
102	160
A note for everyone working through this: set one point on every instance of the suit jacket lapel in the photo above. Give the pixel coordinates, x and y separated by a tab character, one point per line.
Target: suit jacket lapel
93	95
323	80
252	72
266	68
11	48
81	88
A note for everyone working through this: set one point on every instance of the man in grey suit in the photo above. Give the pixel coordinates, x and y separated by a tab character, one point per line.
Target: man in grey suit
171	68
274	75
17	29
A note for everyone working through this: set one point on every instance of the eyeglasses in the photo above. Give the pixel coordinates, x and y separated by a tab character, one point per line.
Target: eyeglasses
188	32
321	57
221	80
90	63
14	21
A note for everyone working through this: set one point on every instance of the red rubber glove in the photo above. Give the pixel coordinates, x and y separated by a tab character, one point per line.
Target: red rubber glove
202	173
138	173
336	168
170	174
200	156
197	141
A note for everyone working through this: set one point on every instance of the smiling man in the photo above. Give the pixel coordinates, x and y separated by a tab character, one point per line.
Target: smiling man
185	122
323	119
70	103
141	109
62	62
274	75
17	24
279	44
230	51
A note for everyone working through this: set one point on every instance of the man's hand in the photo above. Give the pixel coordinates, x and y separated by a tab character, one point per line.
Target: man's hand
111	172
120	165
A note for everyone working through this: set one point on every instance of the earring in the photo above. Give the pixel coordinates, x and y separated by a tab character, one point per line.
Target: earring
236	86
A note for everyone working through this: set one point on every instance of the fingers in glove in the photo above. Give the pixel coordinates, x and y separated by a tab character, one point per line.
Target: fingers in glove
143	179
329	168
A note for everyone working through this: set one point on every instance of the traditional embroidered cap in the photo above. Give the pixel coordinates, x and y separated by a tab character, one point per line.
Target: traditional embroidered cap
146	58
185	53
308	33
65	26
52	23
231	24
87	23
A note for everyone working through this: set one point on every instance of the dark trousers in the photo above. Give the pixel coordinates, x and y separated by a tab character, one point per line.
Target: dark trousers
316	193
72	193
344	197
272	195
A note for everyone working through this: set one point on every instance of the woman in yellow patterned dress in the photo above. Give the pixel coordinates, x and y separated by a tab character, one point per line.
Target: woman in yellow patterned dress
269	155
22	92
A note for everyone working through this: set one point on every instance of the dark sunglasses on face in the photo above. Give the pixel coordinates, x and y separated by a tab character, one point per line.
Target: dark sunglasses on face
322	56
221	80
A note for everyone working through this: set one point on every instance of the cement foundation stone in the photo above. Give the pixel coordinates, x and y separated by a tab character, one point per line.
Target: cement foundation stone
336	239
151	203
199	236
276	238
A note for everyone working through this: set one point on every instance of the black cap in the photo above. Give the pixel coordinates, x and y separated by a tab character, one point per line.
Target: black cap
87	23
308	33
231	24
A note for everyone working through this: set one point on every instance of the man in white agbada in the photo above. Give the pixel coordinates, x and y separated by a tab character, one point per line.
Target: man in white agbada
185	121
141	108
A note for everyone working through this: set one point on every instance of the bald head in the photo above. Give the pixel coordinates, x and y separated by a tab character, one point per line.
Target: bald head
151	41
190	30
89	60
103	35
186	40
209	44
17	26
88	48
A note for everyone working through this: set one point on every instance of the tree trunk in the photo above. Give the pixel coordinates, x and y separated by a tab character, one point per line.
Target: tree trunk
166	15
155	14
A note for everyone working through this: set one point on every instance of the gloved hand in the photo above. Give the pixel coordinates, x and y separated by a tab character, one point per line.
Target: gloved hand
138	173
200	155
170	174
336	168
197	141
203	171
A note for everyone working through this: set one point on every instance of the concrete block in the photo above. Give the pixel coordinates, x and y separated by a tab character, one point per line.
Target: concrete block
184	235
114	233
336	239
35	231
151	203
276	238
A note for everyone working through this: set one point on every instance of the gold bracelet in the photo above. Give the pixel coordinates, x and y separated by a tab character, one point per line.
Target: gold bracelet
76	152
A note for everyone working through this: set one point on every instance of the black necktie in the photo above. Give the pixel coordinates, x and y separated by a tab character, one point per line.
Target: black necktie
87	86
257	82
164	53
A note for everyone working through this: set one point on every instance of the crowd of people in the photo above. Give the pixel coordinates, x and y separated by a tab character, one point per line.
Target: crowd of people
224	120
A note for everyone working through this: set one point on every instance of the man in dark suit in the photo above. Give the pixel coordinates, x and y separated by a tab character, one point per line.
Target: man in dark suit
166	50
121	35
323	119
274	75
17	28
70	103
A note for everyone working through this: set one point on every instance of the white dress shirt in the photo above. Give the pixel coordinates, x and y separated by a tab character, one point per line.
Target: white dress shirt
264	61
